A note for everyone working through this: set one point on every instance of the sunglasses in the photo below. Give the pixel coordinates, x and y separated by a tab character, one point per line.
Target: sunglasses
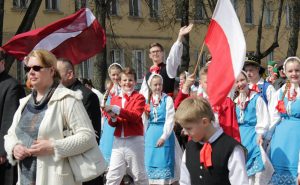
35	68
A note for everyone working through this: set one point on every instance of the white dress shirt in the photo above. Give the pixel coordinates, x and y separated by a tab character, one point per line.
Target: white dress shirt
236	165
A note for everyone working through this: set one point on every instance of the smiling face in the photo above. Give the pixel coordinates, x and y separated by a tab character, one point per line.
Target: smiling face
114	75
39	79
241	83
156	55
127	82
156	85
292	71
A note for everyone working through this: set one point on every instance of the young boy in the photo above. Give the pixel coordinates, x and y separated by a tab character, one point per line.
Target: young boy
222	159
125	113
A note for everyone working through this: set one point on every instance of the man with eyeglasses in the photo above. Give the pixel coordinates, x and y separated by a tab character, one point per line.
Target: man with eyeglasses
167	70
10	93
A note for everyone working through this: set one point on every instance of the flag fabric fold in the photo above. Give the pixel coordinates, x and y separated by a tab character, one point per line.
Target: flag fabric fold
76	37
226	43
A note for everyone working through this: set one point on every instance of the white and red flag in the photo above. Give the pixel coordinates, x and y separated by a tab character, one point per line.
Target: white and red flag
76	37
226	42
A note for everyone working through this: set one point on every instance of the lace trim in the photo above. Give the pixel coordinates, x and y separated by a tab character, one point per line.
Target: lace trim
256	166
283	179
160	173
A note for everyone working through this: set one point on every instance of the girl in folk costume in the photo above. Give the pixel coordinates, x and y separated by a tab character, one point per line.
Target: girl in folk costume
107	135
159	137
253	119
285	119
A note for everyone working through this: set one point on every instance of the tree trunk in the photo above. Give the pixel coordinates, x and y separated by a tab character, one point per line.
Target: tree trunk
294	18
25	25
259	29
1	20
186	45
100	65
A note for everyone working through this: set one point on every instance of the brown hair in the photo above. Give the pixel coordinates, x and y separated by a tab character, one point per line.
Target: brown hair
129	71
47	59
192	110
156	44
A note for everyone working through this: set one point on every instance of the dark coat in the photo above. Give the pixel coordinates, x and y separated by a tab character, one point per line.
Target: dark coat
10	93
91	105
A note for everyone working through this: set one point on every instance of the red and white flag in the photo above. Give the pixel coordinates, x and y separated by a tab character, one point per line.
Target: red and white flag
76	37
226	42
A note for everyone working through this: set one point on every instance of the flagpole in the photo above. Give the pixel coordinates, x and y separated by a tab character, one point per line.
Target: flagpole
198	60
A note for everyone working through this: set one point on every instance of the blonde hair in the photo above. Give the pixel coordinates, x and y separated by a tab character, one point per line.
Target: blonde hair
47	59
192	110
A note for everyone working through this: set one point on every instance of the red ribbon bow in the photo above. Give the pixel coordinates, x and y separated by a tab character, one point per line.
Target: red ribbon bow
147	108
155	69
280	107
205	155
255	88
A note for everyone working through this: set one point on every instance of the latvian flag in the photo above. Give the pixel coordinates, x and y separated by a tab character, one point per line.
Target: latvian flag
76	37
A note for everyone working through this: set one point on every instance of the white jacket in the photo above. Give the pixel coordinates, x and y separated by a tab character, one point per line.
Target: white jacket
55	169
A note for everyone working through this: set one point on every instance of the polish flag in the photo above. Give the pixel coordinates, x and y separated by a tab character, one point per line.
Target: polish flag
76	37
226	43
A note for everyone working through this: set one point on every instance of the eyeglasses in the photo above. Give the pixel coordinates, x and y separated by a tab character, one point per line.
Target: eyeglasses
35	68
156	51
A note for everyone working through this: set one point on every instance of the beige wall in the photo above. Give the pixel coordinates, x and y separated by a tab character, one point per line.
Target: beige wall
137	33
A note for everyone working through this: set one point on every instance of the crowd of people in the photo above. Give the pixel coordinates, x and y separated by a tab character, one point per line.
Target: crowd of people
159	135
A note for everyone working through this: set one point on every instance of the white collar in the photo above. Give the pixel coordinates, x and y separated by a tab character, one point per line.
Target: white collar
215	136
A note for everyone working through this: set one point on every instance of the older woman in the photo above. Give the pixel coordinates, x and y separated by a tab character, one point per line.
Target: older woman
285	121
35	141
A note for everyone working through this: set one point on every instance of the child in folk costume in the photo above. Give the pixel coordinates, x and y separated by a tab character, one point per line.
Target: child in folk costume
125	114
285	119
159	137
225	113
253	119
107	135
211	157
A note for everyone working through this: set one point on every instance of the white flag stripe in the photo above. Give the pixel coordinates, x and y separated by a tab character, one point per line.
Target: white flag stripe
234	33
55	39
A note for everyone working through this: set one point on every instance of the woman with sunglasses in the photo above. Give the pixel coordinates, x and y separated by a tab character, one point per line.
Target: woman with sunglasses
35	140
285	121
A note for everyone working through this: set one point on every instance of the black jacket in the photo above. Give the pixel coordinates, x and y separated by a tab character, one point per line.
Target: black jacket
91	105
10	93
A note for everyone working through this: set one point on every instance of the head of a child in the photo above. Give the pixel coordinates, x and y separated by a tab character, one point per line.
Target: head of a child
241	82
114	71
128	79
195	115
182	78
203	78
155	83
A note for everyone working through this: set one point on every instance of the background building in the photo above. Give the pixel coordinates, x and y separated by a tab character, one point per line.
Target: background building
133	24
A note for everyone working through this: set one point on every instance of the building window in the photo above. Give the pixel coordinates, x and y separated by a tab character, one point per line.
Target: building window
51	4
85	69
178	8
199	10
134	8
249	11
138	60
288	15
268	14
234	4
270	56
20	3
114	7
116	56
154	8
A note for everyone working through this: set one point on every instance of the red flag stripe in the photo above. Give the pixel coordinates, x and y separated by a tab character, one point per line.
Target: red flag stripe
220	72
